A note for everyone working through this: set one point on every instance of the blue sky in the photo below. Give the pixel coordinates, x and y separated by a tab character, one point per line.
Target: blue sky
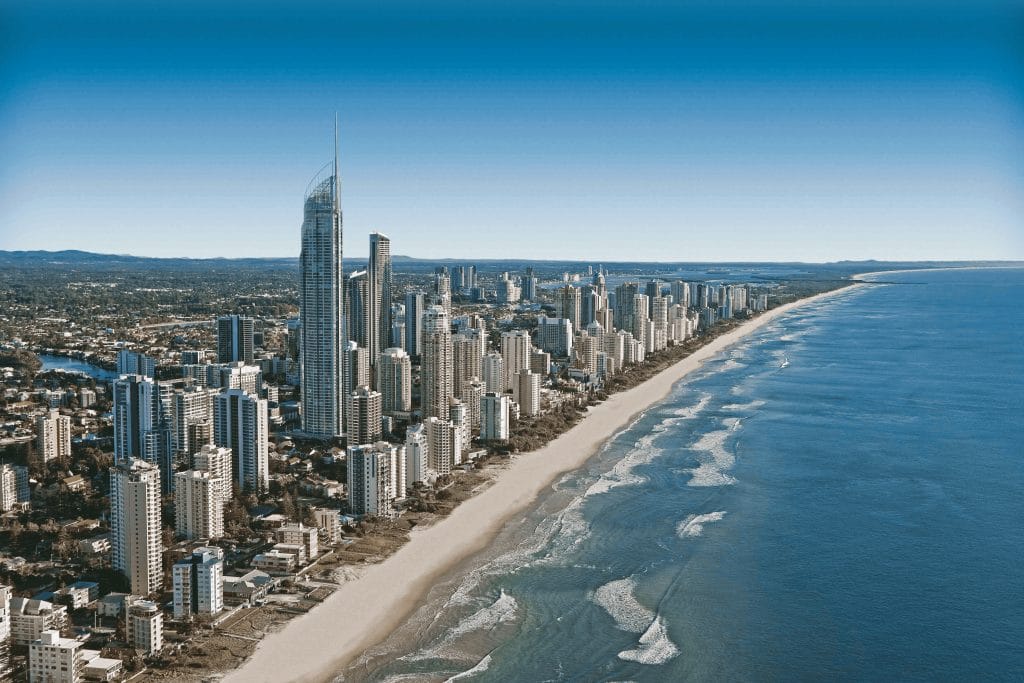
611	130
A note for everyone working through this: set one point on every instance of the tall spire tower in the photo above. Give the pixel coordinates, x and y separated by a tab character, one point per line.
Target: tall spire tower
322	304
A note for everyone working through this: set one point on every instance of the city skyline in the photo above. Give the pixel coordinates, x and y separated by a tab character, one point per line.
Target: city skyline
746	132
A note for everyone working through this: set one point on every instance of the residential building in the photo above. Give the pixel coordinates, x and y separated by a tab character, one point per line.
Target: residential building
145	627
235	339
52	659
516	348
240	423
376	478
394	381
378	272
364	416
417	453
528	393
492	368
134	363
437	374
198	582
321	302
135	524
53	437
494	417
217	461
29	618
301	535
414	323
198	505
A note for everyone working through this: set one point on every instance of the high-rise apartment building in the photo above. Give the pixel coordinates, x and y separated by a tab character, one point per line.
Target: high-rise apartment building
414	323
394	381
216	460
516	347
145	626
135	524
240	423
198	582
417	453
322	307
494	417
190	405
364	414
492	367
528	392
198	505
376	478
142	423
437	375
466	357
53	437
378	271
235	339
135	363
357	307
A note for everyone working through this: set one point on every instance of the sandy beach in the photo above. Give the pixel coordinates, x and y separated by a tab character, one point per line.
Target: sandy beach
363	612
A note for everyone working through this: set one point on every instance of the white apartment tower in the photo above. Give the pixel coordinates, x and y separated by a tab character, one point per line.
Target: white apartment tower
135	524
217	461
145	626
240	423
364	416
493	368
376	478
53	436
53	659
436	384
199	583
321	307
528	392
494	417
198	505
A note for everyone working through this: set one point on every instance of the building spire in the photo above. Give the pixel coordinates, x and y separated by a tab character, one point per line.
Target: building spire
337	179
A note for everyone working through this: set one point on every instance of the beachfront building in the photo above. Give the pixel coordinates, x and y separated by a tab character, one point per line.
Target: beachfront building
417	453
494	417
378	285
437	372
145	626
135	524
444	445
527	393
516	347
376	478
198	583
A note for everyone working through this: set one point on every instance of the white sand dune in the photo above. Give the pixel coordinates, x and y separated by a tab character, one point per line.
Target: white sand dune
363	612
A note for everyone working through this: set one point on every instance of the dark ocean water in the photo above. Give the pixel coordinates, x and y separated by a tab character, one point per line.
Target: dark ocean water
840	496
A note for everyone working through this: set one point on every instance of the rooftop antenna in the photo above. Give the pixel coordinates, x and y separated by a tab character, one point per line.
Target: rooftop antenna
337	180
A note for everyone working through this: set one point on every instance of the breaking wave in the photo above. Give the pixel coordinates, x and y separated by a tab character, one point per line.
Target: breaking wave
693	525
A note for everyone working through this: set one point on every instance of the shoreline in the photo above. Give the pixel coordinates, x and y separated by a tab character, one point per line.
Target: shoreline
364	611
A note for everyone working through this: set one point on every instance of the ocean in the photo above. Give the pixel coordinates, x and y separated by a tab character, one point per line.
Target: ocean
838	496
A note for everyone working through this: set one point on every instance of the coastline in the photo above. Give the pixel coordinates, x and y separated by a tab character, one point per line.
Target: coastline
364	611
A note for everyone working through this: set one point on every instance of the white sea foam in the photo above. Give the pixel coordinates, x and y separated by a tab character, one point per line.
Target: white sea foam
711	470
693	525
617	599
483	665
753	405
503	610
655	646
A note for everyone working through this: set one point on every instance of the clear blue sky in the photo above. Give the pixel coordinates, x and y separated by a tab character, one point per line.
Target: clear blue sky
714	130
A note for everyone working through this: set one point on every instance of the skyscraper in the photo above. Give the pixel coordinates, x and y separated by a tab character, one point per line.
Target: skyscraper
378	271
322	306
135	524
364	413
357	307
436	384
240	423
234	339
394	381
414	323
516	347
142	423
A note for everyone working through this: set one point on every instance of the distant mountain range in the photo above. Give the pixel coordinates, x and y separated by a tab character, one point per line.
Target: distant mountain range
84	259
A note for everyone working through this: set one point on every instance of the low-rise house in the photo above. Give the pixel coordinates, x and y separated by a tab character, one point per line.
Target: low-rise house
248	588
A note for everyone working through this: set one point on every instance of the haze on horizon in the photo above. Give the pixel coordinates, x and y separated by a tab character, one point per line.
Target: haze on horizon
729	131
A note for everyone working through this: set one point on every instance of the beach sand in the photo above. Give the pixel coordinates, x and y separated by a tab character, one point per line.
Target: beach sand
363	612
